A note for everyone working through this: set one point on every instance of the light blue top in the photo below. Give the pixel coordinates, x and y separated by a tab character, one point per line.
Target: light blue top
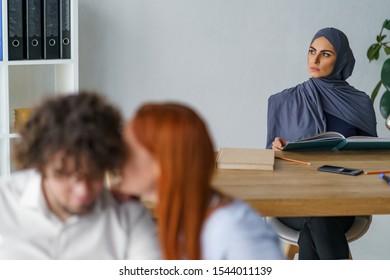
237	232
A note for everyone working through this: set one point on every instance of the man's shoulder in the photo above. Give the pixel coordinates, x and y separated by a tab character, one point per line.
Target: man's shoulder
130	210
18	181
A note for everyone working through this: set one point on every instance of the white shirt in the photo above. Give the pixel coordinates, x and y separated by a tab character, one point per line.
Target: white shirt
29	230
237	232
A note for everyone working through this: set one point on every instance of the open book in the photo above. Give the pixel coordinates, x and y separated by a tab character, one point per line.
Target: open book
246	159
336	141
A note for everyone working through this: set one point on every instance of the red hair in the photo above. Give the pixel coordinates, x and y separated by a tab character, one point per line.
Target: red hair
179	140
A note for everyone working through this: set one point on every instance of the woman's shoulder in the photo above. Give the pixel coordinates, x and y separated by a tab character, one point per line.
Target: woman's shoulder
288	92
235	214
236	231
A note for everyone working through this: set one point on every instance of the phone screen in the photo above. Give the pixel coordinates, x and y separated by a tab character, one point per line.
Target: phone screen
340	170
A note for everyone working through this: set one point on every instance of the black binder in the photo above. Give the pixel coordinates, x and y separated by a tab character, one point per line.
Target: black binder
34	29
1	31
51	30
16	32
65	28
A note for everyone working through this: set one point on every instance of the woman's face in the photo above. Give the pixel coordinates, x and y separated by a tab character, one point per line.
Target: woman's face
321	58
141	171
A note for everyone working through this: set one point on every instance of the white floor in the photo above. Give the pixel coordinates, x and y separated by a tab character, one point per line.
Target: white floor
375	244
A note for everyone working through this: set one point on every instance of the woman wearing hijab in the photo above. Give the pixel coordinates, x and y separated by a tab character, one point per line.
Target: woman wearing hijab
325	102
171	163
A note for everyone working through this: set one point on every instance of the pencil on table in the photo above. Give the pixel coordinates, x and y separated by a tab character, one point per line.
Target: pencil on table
293	160
376	172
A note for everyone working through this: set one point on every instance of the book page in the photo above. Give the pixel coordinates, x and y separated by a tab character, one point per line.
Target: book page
323	141
324	135
367	139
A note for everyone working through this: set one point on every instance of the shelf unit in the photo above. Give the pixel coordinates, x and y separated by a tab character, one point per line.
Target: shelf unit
25	83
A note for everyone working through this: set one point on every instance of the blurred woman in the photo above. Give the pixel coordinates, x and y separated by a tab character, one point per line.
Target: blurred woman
171	164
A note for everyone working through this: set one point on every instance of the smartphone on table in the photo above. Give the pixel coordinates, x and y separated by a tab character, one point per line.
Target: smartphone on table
340	170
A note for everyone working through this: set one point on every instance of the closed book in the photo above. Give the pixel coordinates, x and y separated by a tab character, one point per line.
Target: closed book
34	29
245	159
16	32
1	31
65	42
51	30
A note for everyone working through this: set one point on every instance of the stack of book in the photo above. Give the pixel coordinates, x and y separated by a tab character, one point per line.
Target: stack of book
245	159
21	116
38	29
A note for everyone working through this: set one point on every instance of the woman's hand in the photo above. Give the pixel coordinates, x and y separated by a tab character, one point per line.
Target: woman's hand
278	144
121	197
114	184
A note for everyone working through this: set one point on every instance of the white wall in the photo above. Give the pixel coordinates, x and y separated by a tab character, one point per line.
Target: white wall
223	57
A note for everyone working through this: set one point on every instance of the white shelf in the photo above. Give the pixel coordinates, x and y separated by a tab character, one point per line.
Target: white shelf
40	62
9	136
24	83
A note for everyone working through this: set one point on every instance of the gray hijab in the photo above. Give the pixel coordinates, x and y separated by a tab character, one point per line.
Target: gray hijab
298	112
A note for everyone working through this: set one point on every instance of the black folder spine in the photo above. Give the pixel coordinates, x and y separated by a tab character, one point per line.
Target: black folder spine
51	29
1	31
16	30
65	28
34	29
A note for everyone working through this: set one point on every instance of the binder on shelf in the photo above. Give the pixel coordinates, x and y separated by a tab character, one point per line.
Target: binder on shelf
34	29
65	29
51	31
1	32
16	33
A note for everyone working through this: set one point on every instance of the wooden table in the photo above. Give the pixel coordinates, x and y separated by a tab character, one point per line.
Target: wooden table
300	190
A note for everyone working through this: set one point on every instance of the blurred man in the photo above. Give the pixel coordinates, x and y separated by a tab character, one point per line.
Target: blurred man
57	207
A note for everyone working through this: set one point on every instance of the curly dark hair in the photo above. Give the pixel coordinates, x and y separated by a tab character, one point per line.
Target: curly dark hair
83	126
